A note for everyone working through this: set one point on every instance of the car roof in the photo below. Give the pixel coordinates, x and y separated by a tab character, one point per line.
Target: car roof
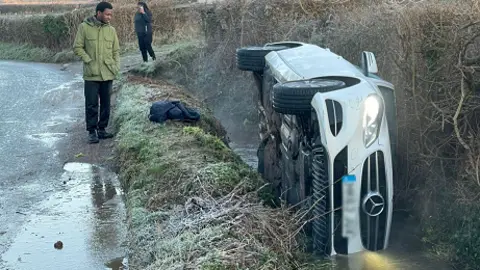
309	61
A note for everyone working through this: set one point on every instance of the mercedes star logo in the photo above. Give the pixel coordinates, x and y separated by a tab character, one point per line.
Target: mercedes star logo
373	204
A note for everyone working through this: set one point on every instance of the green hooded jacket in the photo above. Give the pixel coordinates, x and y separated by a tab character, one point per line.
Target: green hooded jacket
96	43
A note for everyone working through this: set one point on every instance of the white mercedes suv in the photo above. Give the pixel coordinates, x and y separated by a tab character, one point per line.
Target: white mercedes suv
328	132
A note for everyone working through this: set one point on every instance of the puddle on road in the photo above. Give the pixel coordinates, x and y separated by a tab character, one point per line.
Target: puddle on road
87	216
49	139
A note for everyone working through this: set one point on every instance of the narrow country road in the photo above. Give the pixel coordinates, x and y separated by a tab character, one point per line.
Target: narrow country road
52	185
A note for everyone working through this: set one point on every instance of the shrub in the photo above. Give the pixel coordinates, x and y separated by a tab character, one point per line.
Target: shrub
57	32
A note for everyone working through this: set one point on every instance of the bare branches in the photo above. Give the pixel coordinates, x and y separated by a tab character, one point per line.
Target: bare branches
463	93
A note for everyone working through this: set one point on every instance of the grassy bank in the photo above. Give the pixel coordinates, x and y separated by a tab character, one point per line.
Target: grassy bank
192	203
23	52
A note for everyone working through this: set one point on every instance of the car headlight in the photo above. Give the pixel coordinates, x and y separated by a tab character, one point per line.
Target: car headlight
372	118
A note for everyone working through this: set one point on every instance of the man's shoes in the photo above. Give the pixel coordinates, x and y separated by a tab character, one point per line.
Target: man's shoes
102	134
92	137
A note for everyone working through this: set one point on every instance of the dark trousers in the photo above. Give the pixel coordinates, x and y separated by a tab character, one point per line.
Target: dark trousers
145	45
95	91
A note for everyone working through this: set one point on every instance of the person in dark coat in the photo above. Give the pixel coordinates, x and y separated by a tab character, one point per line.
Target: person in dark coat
143	28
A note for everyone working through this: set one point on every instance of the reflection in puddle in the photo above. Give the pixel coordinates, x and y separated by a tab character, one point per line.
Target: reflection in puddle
390	259
87	216
370	261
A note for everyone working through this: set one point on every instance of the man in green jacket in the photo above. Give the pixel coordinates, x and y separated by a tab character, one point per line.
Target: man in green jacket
96	43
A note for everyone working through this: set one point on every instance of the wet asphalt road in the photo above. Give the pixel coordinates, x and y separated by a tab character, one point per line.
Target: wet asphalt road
42	199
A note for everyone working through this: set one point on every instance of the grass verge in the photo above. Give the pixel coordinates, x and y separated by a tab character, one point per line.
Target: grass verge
192	203
23	52
173	61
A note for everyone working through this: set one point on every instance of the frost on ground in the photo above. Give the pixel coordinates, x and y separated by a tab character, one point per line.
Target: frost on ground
193	203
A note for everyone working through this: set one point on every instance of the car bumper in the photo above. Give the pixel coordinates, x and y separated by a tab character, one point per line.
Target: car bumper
360	178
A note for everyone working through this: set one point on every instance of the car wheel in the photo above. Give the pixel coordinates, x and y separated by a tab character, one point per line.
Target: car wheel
253	58
295	97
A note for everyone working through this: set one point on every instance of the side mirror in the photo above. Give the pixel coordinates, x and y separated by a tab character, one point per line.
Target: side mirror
369	63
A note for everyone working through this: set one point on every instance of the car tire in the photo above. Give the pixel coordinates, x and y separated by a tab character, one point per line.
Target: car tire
295	97
253	58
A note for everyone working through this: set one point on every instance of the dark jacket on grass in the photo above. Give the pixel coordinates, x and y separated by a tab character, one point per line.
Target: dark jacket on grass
161	111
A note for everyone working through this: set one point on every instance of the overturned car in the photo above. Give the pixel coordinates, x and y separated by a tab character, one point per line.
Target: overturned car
327	130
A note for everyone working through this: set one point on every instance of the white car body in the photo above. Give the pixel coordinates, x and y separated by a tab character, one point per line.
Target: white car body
309	62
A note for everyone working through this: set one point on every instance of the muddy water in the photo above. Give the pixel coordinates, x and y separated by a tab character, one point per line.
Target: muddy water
405	251
87	215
